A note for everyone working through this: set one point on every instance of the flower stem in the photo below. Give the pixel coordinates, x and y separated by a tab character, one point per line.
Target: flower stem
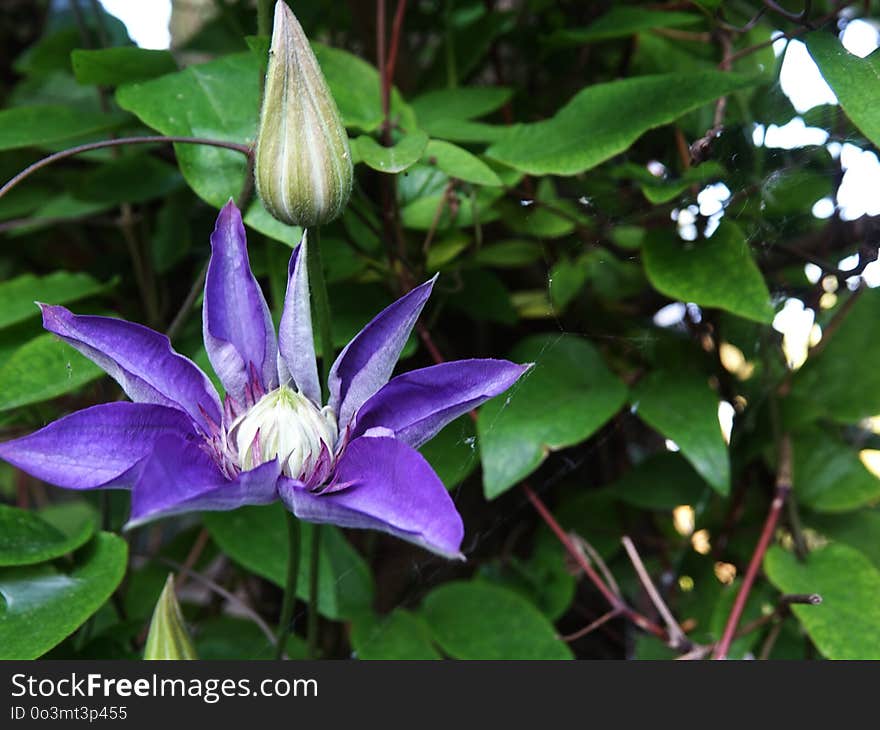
290	589
321	308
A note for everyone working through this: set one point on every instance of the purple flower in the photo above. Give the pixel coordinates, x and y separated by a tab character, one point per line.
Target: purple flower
179	449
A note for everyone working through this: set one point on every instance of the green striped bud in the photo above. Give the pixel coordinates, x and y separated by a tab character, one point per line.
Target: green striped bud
168	638
303	165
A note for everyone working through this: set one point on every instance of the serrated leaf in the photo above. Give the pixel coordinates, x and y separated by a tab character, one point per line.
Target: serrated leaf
846	625
42	605
713	272
684	408
512	628
563	400
611	116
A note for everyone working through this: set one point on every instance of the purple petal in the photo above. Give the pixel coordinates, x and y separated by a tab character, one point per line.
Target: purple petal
368	360
181	477
140	360
416	405
393	489
239	335
98	446
296	344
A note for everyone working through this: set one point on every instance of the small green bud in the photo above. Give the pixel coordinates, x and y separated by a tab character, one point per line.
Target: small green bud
303	165
168	638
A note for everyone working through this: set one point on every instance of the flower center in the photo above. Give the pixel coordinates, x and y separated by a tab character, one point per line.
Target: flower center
287	425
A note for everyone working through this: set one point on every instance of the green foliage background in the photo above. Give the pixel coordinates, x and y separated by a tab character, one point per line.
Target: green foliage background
536	154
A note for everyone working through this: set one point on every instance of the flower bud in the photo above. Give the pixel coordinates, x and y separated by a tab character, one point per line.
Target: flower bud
168	638
303	164
287	425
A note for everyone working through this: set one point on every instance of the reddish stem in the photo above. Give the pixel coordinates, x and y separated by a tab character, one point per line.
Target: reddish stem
393	48
783	487
615	602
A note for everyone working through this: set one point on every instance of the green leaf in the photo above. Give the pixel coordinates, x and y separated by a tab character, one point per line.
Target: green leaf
464	130
398	158
544	579
846	625
41	369
17	296
620	22
459	163
481	621
859	529
843	381
42	605
829	477
658	190
663	481
855	81
225	637
565	281
355	86
685	409
256	537
30	126
605	119
168	637
467	102
594	515
563	400
509	254
218	100
26	538
401	636
484	298
115	66
452	452
713	272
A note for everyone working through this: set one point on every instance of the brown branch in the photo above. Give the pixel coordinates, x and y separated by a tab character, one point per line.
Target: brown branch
783	487
614	601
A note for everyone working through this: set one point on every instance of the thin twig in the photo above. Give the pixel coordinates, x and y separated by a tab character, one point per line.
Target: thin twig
120	141
783	487
220	591
677	638
581	543
615	601
590	628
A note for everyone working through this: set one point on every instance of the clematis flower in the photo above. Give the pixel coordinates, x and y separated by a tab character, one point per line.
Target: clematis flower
179	448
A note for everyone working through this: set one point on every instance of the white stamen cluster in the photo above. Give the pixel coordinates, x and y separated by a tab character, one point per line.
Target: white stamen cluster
287	425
